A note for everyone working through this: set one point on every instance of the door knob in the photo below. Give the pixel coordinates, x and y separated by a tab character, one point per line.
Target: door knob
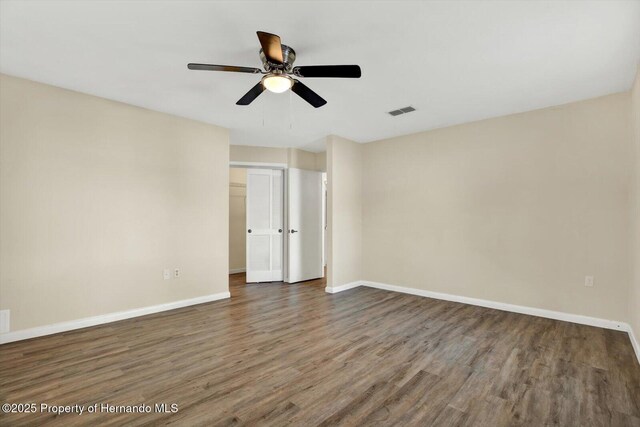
293	231
249	231
279	230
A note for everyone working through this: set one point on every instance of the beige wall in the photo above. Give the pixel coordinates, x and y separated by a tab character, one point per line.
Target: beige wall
292	157
237	218
301	159
634	300
99	197
344	209
516	209
321	161
246	153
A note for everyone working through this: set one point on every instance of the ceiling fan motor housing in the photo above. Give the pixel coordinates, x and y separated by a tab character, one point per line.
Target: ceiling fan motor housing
288	56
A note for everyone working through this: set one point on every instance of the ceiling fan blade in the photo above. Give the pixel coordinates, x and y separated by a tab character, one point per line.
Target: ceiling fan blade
344	71
253	93
232	68
271	47
307	94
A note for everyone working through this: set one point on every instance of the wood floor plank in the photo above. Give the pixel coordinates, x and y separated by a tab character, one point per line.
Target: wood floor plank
278	354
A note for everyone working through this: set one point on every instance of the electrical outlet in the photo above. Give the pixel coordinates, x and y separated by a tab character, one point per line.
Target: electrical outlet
176	273
166	273
588	281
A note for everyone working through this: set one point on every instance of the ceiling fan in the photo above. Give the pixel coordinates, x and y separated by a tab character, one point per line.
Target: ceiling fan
280	74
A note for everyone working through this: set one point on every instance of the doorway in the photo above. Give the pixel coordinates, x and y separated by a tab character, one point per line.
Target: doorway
276	220
237	220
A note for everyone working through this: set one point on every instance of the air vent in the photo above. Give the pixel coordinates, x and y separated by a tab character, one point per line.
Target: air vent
401	111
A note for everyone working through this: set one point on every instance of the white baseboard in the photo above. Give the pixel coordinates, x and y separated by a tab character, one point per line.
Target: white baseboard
634	343
237	270
532	311
105	318
340	288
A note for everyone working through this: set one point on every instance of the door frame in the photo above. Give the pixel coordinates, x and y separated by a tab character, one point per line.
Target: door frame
285	202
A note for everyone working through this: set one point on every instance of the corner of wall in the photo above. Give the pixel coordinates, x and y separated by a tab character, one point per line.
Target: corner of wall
344	208
634	288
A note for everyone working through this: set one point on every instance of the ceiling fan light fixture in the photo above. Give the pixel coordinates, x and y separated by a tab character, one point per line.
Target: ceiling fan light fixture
277	83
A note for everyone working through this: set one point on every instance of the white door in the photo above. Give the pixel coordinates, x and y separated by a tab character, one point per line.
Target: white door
305	225
264	225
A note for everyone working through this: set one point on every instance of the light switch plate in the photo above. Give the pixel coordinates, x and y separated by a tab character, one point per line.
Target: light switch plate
588	281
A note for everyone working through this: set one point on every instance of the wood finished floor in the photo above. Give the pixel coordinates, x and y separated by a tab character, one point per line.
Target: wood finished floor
293	355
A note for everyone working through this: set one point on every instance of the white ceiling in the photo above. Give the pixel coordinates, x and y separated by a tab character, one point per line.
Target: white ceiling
453	61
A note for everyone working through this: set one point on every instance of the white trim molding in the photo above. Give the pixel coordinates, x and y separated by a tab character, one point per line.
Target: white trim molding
237	270
634	343
340	288
106	318
235	164
532	311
